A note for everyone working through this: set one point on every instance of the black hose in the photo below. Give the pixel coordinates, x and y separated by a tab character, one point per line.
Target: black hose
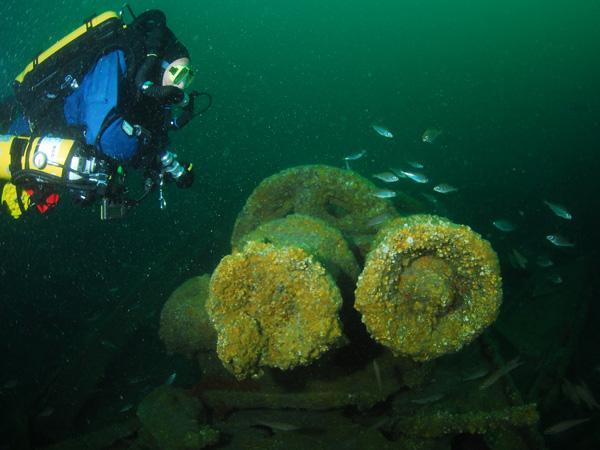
143	73
28	177
165	95
208	104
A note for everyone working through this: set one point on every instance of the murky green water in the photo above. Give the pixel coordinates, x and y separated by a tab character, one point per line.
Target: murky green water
513	86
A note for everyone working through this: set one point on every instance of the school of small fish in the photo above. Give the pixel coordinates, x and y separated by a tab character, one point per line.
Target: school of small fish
414	172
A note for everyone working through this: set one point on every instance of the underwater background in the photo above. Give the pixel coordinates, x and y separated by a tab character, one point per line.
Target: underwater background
512	85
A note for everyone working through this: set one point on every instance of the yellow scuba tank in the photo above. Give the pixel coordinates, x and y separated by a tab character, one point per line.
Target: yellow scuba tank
5	144
30	162
46	159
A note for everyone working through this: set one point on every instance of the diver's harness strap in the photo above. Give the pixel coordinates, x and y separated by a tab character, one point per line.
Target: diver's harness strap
16	152
49	81
20	200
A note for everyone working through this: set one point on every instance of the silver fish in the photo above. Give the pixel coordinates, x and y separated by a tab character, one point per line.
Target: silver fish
378	219
564	426
476	374
430	135
398	173
383	193
277	426
559	240
10	384
107	344
586	396
559	210
415	164
171	379
555	278
377	372
46	412
544	261
430	197
504	225
510	366
126	408
416	176
388	177
430	399
519	260
136	380
569	391
444	188
382	131
355	156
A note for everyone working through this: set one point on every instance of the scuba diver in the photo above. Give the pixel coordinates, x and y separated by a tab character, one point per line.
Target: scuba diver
98	102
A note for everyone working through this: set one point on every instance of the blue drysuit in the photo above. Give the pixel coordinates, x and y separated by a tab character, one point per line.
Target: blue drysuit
96	98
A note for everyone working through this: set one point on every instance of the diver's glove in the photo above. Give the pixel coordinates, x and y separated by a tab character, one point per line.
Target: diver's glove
186	179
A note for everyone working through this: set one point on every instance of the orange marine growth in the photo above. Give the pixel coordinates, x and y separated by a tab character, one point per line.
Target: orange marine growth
341	198
272	307
428	287
322	241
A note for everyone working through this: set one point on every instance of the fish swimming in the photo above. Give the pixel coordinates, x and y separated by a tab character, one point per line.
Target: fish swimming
430	135
107	344
559	241
544	261
10	384
398	173
555	278
430	197
377	373
509	367
378	219
382	131
355	156
384	193
46	412
126	408
277	426
430	399
518	259
586	396
504	225
171	379
415	176
569	391
564	426
476	374
415	164
387	177
559	210
444	188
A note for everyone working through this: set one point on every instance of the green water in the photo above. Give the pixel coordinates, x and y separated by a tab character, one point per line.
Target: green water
512	84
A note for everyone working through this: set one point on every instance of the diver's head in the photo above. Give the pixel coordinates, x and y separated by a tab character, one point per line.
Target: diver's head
177	73
176	63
